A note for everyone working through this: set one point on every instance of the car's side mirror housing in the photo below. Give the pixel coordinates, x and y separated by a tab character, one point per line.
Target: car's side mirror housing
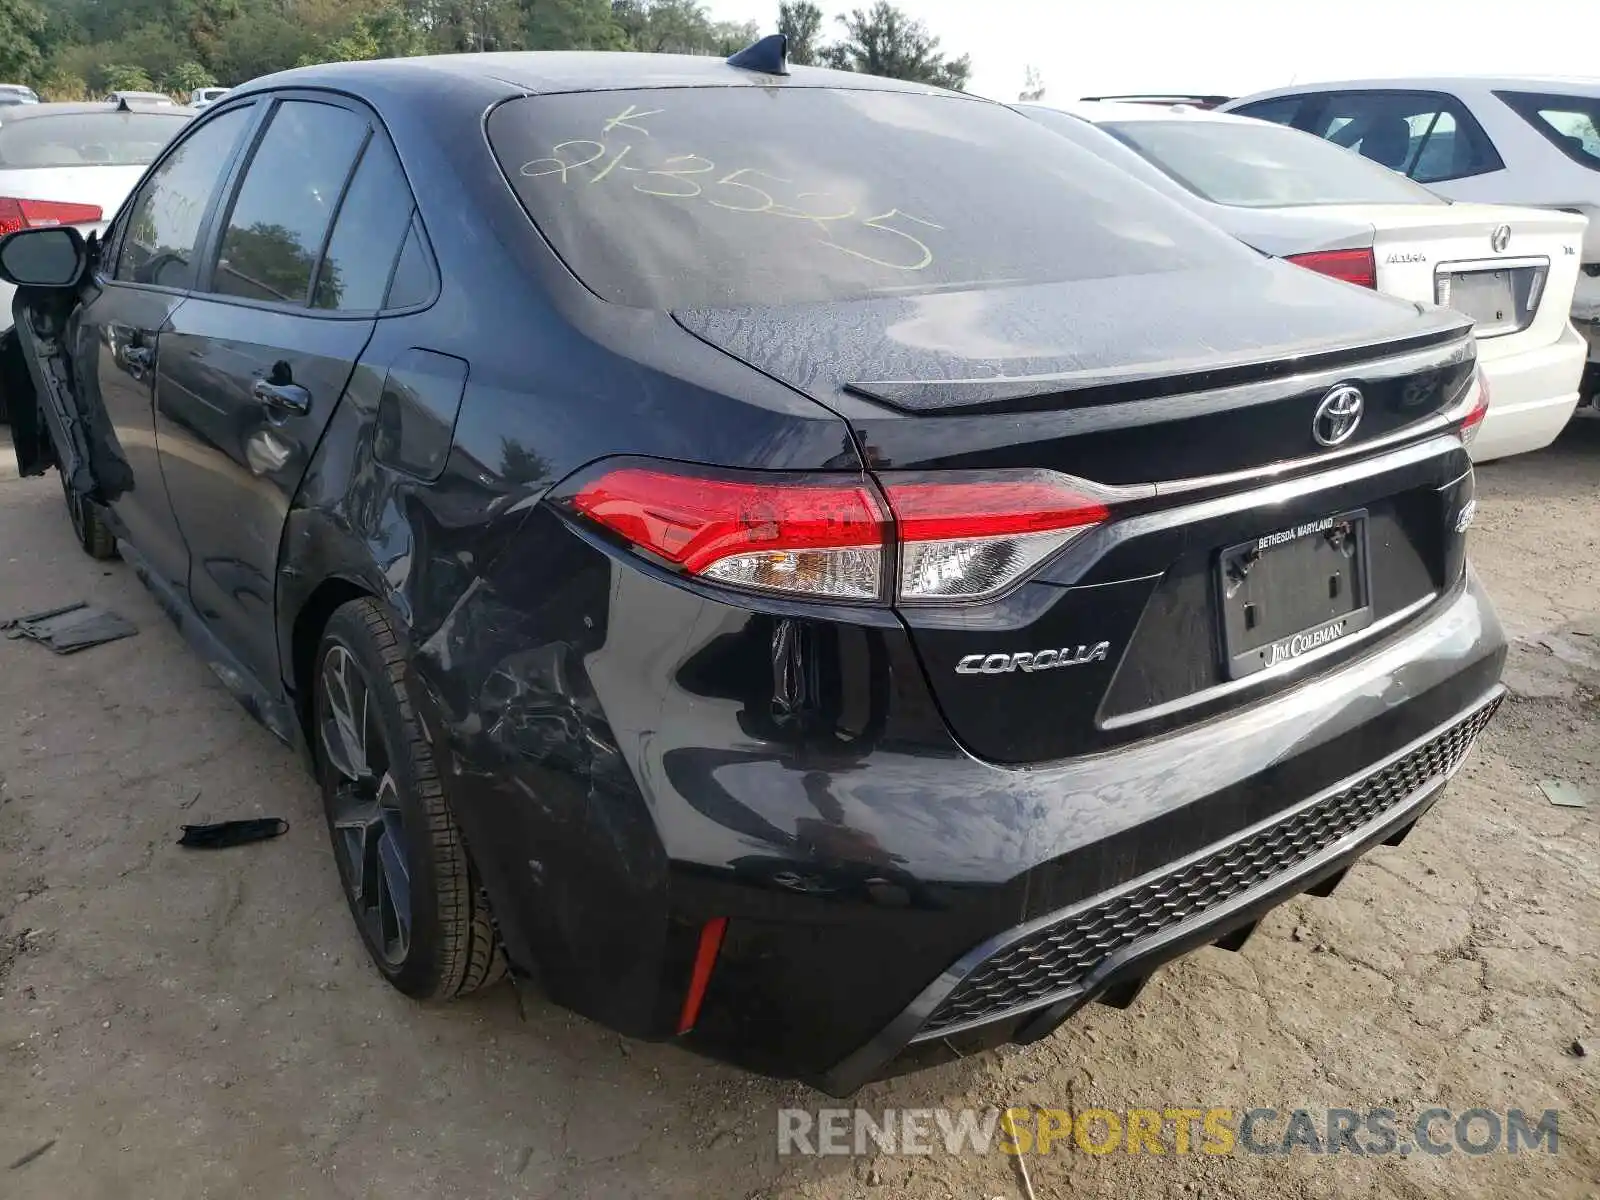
53	257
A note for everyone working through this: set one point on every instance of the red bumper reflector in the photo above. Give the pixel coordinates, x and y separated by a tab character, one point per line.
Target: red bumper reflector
705	958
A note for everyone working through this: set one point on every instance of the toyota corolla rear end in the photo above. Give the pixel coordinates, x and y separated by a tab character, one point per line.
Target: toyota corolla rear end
1123	596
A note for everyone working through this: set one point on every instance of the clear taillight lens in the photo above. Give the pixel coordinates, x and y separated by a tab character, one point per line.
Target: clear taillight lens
957	537
973	538
1472	408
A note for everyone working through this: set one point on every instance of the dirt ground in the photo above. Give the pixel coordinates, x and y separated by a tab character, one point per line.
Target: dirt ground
181	1025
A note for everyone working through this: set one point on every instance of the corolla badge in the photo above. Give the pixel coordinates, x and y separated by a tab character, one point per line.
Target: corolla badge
1338	415
1032	660
1500	238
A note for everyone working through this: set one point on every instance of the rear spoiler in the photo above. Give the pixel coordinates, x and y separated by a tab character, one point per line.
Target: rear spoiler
1195	101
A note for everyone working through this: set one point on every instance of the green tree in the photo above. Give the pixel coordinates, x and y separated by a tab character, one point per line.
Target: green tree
73	45
665	26
21	24
187	76
801	22
260	42
570	25
125	77
730	37
882	40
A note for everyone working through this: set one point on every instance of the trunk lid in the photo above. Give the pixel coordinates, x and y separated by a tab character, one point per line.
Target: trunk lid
106	187
1133	628
1121	380
1518	290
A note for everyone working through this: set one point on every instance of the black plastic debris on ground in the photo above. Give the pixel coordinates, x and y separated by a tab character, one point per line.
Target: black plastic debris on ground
71	628
232	833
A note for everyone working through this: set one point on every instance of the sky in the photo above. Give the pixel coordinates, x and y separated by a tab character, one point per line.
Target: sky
1099	47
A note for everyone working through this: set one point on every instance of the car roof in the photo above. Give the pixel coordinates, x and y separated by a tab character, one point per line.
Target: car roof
32	112
1443	83
540	72
1098	112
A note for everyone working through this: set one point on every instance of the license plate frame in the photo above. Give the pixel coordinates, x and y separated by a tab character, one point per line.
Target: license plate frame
1488	296
1288	624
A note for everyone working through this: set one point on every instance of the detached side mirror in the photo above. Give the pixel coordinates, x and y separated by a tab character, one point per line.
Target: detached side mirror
54	257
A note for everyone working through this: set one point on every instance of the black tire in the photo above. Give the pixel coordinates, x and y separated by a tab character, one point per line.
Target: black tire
390	801
88	525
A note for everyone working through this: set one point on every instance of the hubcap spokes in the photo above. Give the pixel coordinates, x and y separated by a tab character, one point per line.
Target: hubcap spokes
369	832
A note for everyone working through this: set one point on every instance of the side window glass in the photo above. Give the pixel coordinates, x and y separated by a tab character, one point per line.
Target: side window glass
1436	145
1280	111
1426	135
1570	123
367	236
1342	119
413	275
286	202
158	243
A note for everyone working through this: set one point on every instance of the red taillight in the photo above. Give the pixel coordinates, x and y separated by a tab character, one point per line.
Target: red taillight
960	537
1352	266
927	511
1473	407
37	214
822	537
705	958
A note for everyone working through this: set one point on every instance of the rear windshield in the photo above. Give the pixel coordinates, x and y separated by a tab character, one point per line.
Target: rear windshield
108	139
712	197
1259	165
1571	122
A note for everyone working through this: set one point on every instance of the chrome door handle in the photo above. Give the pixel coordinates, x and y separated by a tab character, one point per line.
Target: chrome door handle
284	397
138	356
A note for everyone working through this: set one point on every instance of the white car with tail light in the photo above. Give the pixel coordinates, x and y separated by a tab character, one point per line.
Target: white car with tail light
1505	139
1513	270
74	164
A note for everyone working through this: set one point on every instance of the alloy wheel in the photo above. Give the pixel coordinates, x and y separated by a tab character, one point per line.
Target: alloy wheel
364	807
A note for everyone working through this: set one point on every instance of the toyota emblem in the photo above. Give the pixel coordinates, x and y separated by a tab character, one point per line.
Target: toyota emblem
1500	238
1337	416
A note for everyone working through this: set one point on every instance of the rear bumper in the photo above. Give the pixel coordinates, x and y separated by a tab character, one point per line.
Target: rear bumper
792	781
1532	396
1021	985
859	982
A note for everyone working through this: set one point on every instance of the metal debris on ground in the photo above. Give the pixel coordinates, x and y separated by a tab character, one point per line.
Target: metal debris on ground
1563	794
71	628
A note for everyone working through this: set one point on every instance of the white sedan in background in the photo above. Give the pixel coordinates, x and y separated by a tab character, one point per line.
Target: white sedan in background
205	97
1513	270
74	164
1507	139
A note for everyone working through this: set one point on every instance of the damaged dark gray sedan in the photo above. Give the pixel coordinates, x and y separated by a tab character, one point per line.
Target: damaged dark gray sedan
814	567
